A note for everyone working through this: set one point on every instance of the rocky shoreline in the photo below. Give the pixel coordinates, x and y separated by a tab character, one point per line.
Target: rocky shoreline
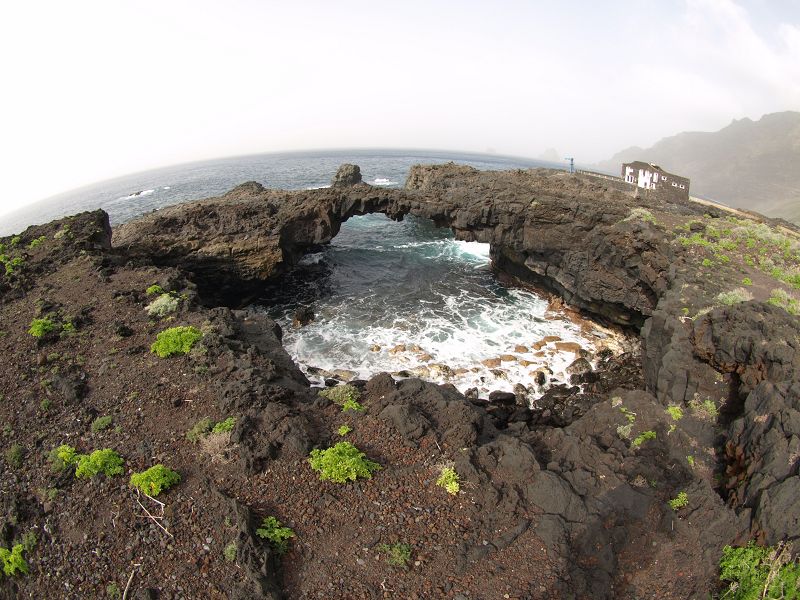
568	499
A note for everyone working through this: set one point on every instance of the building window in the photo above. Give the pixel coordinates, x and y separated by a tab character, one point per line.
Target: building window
683	187
663	178
674	184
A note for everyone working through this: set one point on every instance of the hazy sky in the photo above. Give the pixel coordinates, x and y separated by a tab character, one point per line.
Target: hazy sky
92	90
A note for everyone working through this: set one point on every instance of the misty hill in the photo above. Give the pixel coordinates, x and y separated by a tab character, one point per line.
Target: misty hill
748	164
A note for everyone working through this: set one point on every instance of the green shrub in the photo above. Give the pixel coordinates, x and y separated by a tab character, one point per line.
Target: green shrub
29	541
705	409
352	405
747	281
754	572
398	554
734	296
224	426
707	262
273	531
162	306
782	299
10	264
344	430
449	480
679	501
101	423
41	327
154	480
643	437
104	461
175	341
12	561
14	456
690	460
37	242
641	214
45	404
63	457
341	394
676	412
229	552
154	289
199	429
341	463
112	591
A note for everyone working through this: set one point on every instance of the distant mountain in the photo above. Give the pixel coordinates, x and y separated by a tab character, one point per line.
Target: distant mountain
748	164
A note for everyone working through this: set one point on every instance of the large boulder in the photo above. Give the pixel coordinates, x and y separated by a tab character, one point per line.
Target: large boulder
346	176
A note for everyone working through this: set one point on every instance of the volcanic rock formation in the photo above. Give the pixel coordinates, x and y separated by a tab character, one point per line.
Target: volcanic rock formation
571	495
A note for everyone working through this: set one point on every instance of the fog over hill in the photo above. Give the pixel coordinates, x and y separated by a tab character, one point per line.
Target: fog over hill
748	164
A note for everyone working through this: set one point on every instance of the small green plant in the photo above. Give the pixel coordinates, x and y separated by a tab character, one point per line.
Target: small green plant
753	572
41	327
105	461
643	437
747	281
707	262
690	460
352	405
63	457
162	306
705	409
229	552
734	297
782	299
344	430
341	463
676	412
641	214
154	480
112	591
154	289
449	480
224	426
12	561
29	541
14	456
37	242
67	328
341	394
45	404
47	494
102	423
398	554
629	414
199	430
175	341
679	501
274	531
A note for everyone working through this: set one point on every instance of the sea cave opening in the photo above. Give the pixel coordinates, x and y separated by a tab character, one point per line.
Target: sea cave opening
406	297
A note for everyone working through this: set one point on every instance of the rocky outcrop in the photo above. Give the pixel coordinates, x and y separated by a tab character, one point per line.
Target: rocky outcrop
566	234
346	176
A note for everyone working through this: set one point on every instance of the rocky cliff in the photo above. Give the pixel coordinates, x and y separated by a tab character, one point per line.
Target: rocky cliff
570	498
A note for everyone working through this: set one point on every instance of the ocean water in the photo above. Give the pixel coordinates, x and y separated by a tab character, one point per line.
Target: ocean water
409	299
405	297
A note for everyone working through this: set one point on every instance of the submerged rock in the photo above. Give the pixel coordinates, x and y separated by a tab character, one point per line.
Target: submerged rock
302	316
